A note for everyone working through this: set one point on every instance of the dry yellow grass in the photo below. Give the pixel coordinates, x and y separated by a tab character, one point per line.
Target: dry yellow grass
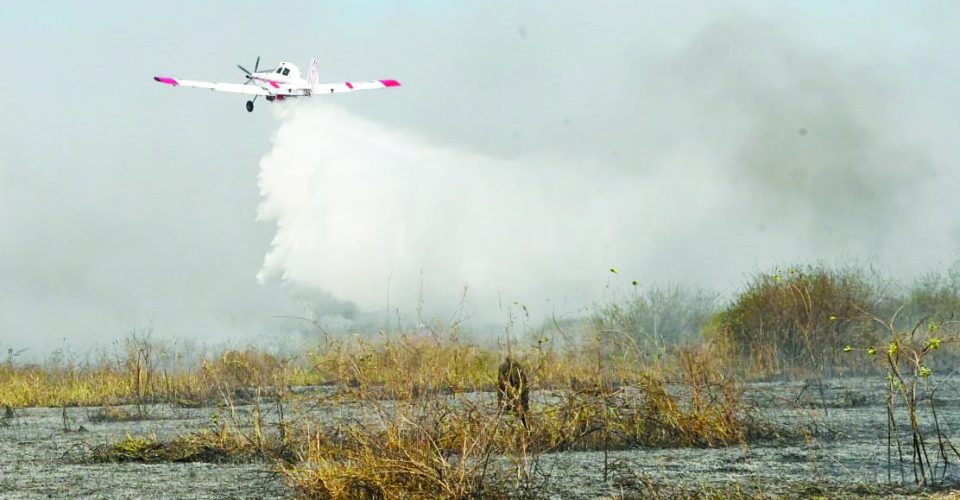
142	381
24	386
439	439
203	446
426	421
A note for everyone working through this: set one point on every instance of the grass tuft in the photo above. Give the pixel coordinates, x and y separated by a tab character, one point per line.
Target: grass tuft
116	414
203	446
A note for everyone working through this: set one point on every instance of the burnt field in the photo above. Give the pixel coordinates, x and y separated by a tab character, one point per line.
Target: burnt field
830	442
791	389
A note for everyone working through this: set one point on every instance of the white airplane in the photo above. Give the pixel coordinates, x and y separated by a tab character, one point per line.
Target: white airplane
278	84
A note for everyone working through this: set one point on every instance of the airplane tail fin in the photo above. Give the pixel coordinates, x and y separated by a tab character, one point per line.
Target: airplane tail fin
314	72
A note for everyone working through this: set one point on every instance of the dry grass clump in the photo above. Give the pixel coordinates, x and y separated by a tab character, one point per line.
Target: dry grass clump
23	386
418	415
701	407
146	372
141	372
247	368
462	444
94	385
115	414
800	318
934	296
415	451
658	318
204	446
405	365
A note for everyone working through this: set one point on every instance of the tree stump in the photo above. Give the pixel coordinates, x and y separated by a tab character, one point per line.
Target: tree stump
513	390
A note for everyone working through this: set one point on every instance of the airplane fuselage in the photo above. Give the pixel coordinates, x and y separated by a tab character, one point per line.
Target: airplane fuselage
284	80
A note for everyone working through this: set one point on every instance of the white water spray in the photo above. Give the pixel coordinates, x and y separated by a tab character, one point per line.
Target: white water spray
740	160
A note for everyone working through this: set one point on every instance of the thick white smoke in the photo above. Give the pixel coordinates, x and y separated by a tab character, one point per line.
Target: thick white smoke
737	153
363	211
529	150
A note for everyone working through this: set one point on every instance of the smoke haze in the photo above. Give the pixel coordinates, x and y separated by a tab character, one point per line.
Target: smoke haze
738	151
530	149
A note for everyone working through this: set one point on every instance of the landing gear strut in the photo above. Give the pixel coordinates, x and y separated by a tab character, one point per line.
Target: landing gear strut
250	106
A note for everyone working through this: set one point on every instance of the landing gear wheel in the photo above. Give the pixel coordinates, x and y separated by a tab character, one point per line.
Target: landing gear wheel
250	106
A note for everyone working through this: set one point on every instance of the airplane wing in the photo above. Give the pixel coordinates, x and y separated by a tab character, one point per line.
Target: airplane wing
236	88
341	87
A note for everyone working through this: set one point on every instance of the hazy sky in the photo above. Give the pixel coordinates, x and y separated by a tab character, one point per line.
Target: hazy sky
126	203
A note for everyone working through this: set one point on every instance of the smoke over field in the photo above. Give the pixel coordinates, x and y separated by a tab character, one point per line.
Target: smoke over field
529	150
587	249
738	151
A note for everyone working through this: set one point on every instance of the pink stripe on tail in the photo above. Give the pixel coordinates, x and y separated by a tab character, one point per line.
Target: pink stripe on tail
390	83
167	80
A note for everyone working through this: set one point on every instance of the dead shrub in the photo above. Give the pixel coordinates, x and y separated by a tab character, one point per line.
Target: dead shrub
204	446
801	318
115	414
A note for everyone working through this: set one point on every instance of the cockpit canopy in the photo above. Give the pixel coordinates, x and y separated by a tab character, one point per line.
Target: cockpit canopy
288	69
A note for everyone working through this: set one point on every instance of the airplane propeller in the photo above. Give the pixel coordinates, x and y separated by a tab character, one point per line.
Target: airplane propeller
256	68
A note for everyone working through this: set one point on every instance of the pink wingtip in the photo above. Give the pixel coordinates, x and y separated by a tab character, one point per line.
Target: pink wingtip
390	83
166	80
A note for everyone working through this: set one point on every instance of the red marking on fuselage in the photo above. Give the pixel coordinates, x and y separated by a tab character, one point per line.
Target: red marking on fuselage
349	85
390	83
